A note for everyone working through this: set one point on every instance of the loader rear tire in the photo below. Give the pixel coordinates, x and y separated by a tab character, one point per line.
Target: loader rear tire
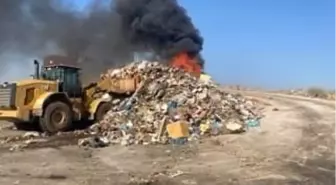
102	110
57	117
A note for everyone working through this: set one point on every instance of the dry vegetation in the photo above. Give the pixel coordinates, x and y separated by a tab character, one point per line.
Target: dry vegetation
317	92
313	92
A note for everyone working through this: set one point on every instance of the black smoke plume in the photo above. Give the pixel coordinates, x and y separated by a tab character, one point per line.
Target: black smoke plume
160	25
100	36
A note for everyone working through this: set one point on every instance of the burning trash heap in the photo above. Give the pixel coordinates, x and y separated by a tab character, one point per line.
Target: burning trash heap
168	106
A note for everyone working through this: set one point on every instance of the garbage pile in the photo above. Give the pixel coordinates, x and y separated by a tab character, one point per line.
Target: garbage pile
169	95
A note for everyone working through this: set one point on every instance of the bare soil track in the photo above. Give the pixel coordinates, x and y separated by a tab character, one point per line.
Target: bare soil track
296	146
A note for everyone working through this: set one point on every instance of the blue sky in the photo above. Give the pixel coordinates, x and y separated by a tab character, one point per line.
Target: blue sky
267	43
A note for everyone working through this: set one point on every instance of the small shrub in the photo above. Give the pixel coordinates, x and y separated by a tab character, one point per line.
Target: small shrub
317	92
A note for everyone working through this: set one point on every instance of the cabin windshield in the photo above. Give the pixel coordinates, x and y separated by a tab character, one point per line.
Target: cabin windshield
67	77
54	73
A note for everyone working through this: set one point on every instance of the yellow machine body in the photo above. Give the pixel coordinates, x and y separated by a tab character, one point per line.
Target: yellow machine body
27	100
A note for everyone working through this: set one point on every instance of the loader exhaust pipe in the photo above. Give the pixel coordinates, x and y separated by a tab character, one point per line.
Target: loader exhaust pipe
37	70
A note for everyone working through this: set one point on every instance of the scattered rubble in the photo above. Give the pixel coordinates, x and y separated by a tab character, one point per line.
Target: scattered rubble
94	142
31	135
39	140
169	95
275	109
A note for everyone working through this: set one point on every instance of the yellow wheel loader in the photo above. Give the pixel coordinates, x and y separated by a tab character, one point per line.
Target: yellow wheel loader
55	98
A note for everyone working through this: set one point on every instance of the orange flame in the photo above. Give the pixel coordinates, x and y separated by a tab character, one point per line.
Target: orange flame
185	62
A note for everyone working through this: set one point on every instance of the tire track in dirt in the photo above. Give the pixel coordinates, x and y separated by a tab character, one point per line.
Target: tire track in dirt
318	166
314	160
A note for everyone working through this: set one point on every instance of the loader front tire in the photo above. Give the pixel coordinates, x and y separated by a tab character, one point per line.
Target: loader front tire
57	117
103	108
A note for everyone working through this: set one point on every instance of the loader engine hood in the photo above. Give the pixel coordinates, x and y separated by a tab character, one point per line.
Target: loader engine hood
11	92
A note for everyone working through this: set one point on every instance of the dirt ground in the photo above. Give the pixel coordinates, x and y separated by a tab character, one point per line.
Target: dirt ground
295	146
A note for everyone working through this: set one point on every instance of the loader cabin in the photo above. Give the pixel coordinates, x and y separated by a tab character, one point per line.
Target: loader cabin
63	70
